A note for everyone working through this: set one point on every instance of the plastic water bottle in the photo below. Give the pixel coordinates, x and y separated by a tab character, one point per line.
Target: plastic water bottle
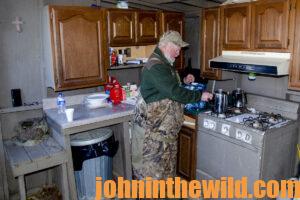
61	103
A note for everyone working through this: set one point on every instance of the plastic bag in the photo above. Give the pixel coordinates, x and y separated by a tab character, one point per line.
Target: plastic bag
194	107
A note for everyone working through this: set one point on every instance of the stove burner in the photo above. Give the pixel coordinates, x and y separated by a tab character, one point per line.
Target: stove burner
271	117
230	112
272	120
255	122
222	115
237	111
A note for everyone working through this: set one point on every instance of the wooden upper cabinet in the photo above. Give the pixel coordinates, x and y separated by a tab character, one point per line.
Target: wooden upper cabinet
79	49
235	26
263	25
147	27
210	42
270	24
294	76
121	27
174	21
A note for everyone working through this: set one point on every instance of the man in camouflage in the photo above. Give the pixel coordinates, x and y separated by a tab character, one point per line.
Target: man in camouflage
159	111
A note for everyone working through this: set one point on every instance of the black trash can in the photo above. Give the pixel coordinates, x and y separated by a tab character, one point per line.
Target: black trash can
92	153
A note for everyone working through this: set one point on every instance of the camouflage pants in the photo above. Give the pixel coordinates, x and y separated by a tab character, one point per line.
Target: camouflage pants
154	138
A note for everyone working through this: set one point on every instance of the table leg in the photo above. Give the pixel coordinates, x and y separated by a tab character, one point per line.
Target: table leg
70	169
126	153
22	189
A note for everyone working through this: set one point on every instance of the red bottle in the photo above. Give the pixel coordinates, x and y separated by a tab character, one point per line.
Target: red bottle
116	94
113	58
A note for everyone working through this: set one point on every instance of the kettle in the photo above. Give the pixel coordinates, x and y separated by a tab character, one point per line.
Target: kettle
239	98
220	101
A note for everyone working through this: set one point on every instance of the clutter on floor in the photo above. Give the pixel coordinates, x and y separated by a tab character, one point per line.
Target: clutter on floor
46	193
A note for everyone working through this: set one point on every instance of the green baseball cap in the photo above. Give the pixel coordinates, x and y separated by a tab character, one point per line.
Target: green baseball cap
174	37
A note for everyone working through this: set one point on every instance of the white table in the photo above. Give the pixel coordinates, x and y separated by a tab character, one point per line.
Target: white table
116	117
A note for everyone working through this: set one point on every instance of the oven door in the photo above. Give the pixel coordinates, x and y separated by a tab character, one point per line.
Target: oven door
222	156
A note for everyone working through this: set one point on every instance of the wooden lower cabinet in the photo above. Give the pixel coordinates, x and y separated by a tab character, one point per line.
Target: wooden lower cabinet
186	156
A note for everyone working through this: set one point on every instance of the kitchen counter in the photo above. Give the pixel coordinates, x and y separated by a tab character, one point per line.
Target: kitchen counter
84	116
115	117
129	66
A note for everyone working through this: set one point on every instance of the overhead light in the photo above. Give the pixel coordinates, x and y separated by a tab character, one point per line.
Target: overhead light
122	4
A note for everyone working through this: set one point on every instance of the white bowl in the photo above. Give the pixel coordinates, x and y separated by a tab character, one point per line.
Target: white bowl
96	100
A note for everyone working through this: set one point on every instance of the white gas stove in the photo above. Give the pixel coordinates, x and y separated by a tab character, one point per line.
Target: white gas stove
259	143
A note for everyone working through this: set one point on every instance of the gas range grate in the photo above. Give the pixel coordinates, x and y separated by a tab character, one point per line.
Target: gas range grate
230	112
260	120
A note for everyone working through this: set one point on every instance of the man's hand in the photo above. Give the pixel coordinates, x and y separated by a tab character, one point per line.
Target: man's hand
206	96
189	79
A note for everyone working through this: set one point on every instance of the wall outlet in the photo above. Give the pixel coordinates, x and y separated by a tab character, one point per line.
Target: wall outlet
127	51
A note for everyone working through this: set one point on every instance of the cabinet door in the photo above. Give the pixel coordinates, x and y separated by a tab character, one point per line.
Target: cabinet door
235	26
174	21
210	42
186	166
294	75
147	28
121	27
270	24
79	47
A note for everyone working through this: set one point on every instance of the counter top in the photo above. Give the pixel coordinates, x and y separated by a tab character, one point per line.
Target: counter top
129	66
20	109
84	116
194	113
190	121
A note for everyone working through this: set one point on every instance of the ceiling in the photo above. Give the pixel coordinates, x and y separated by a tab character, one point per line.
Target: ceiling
186	6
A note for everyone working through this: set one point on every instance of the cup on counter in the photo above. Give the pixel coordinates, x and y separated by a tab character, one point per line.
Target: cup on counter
69	114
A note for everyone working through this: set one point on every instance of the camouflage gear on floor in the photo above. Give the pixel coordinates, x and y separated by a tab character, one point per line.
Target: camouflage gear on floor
154	138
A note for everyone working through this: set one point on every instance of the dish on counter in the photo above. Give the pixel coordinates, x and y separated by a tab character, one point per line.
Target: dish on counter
96	101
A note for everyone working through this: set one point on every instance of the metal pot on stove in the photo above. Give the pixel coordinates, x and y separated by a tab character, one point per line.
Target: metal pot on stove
239	98
220	101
